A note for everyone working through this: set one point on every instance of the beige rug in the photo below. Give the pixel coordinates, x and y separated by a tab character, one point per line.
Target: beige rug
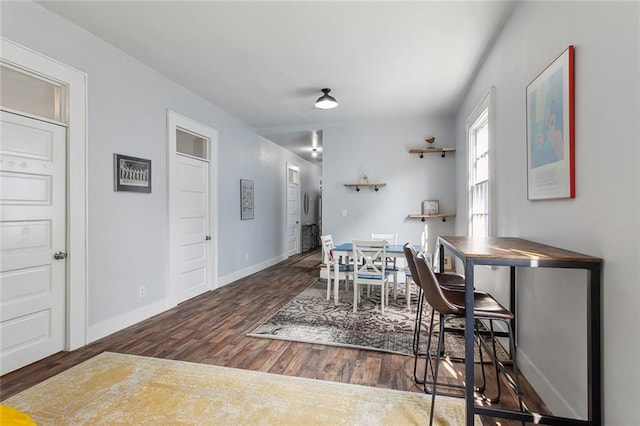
126	389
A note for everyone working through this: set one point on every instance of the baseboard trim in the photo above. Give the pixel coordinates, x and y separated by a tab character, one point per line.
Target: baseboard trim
228	279
549	394
105	328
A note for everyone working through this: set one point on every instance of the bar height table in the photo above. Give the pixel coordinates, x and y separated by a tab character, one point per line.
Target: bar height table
516	252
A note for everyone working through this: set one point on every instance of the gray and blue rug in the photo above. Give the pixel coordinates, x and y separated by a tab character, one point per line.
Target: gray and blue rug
311	318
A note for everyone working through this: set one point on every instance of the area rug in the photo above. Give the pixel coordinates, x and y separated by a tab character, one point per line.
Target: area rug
126	389
311	318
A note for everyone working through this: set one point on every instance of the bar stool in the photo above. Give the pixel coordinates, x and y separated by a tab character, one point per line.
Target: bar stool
449	281
451	304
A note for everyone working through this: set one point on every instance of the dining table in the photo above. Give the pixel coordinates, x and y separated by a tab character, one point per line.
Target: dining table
520	253
346	250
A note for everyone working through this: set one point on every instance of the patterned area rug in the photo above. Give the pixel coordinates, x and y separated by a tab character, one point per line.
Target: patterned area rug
311	318
126	389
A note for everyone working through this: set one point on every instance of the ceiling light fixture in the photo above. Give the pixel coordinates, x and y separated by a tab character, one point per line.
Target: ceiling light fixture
326	101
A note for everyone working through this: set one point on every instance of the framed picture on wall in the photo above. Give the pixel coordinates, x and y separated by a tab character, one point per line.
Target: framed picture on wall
132	174
430	207
550	131
246	199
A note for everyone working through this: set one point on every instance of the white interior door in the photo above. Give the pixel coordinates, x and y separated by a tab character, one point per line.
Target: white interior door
193	219
193	216
293	210
32	235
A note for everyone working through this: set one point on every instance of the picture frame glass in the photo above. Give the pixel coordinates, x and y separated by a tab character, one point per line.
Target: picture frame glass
132	174
246	199
550	131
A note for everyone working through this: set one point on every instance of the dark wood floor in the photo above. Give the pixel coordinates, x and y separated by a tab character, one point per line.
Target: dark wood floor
212	327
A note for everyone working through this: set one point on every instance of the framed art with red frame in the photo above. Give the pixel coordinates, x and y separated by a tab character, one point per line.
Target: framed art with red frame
551	131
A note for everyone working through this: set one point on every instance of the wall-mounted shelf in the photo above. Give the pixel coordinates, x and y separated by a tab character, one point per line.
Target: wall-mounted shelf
357	186
424	217
441	151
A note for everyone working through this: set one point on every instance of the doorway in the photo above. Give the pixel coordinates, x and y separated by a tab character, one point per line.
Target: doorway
33	244
193	235
69	87
293	210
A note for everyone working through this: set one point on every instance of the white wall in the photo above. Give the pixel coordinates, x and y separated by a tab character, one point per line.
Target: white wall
603	218
381	147
128	232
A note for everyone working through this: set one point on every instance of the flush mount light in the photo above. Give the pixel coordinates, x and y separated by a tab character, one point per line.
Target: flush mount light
326	101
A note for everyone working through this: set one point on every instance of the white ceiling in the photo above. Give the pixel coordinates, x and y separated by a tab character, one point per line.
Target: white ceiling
265	62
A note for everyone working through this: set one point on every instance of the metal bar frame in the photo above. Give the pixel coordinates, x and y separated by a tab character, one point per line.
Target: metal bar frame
594	336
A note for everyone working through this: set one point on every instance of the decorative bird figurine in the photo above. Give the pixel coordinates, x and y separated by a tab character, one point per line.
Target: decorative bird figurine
430	141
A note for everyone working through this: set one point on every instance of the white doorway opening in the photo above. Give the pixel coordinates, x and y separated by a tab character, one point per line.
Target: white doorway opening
74	115
193	218
293	209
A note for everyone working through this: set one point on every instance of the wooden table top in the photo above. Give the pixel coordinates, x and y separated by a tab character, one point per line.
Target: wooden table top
513	249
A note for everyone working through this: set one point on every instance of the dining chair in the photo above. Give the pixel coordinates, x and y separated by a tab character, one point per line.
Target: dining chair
345	271
369	268
392	266
450	304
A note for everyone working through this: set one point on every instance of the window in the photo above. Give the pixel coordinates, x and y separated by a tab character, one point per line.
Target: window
479	135
28	93
192	145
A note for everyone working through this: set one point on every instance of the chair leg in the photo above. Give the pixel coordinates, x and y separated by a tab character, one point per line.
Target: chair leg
416	340
355	297
428	363
516	373
484	376
435	374
515	383
417	322
495	356
416	354
395	285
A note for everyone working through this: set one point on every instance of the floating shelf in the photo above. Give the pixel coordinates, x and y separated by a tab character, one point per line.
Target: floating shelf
357	186
424	217
422	151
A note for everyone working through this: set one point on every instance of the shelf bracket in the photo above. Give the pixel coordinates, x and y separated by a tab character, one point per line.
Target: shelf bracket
422	155
423	219
357	188
444	219
376	188
444	154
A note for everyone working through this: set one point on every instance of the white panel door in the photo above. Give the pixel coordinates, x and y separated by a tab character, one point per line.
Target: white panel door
193	217
32	231
293	211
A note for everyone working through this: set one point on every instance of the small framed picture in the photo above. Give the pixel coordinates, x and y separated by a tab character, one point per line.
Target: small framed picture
246	199
132	174
430	207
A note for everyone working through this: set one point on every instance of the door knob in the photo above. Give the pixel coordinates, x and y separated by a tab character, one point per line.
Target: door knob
59	255
208	237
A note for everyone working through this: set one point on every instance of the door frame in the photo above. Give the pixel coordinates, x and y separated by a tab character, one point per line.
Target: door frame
76	290
177	121
292	166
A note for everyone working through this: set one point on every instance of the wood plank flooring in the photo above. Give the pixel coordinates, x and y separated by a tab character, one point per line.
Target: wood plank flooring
212	327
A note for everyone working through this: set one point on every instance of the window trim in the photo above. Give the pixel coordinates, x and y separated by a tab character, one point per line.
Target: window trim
485	104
